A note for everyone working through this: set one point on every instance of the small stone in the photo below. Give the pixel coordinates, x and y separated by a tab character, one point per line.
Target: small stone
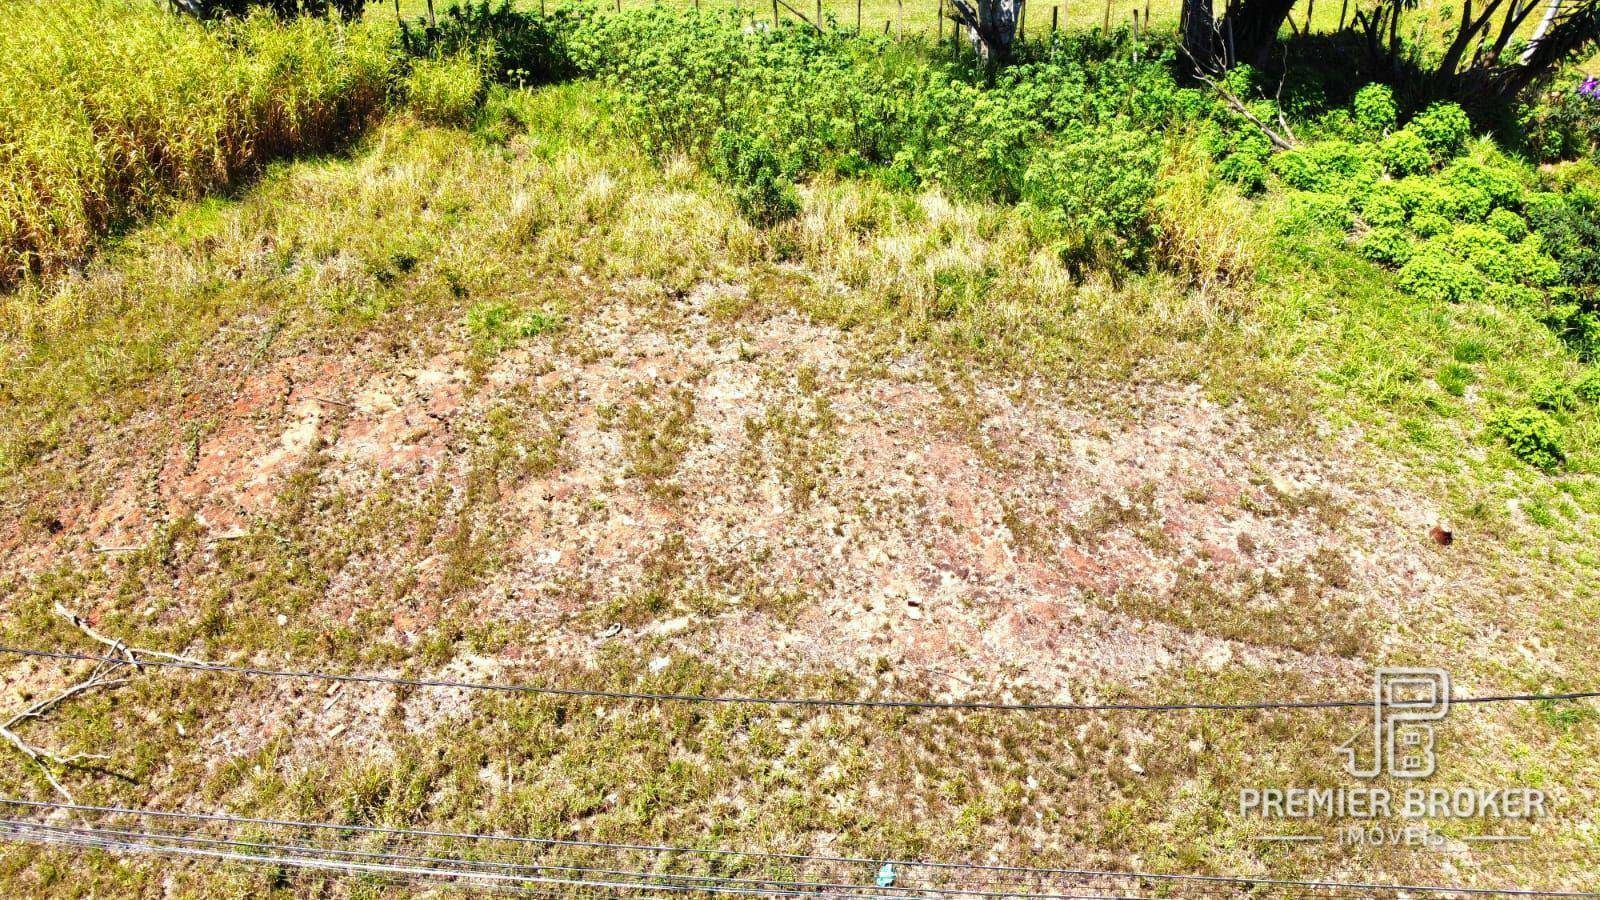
282	620
660	663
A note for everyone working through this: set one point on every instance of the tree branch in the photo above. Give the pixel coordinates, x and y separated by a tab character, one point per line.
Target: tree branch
104	676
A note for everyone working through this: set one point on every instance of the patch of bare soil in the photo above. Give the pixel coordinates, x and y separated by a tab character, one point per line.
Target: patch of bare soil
737	483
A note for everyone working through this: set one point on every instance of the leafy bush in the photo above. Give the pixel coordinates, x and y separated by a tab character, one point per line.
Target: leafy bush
1330	167
1444	127
752	171
516	47
1564	123
1095	192
1374	109
1440	278
1388	245
1429	224
1509	224
1496	182
1533	436
445	90
1312	209
1383	209
1587	388
1553	394
1405	153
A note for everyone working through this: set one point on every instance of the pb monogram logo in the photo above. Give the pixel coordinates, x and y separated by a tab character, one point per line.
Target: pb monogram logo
1405	703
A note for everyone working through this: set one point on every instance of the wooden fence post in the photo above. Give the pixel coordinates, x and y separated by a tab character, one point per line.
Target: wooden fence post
858	15
774	13
1022	20
1106	24
819	15
432	22
938	23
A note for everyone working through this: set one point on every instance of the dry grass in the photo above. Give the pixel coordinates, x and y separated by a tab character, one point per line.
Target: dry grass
112	108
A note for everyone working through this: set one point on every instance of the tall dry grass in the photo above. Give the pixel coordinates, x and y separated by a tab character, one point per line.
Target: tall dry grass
110	109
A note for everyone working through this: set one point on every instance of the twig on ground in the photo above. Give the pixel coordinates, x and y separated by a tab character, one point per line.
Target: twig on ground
104	676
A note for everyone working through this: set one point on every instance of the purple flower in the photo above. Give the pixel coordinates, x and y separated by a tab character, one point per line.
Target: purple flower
1590	88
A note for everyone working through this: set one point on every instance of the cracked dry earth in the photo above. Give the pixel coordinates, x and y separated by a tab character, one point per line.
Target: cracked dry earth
750	488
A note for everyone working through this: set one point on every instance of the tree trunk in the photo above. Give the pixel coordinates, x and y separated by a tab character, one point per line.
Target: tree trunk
992	26
1199	33
1551	10
1253	26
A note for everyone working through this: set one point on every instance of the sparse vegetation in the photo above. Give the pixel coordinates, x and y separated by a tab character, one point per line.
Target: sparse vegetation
652	351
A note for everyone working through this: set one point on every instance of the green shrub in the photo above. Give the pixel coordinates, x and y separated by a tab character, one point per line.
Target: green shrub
1509	224
1095	193
1498	183
446	90
1242	156
1481	247
1382	209
1430	224
1388	245
1311	209
1330	167
1444	127
1533	436
1405	153
1374	108
1587	387
1440	278
747	165
1553	394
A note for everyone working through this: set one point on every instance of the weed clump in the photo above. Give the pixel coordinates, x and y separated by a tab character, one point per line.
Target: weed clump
446	90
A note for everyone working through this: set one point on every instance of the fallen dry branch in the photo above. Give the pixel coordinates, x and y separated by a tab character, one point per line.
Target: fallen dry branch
104	676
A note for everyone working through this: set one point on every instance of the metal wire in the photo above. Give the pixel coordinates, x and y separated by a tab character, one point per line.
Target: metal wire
826	702
1211	880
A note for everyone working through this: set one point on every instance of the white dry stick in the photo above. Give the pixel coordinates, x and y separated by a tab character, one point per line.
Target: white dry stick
103	677
44	759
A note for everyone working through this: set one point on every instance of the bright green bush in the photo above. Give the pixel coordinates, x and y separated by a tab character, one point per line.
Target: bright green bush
446	90
1387	245
1405	153
1095	192
1430	224
1444	127
1532	435
1496	181
753	172
1373	108
1330	167
1508	223
1312	209
1553	394
1587	387
1440	278
1383	209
